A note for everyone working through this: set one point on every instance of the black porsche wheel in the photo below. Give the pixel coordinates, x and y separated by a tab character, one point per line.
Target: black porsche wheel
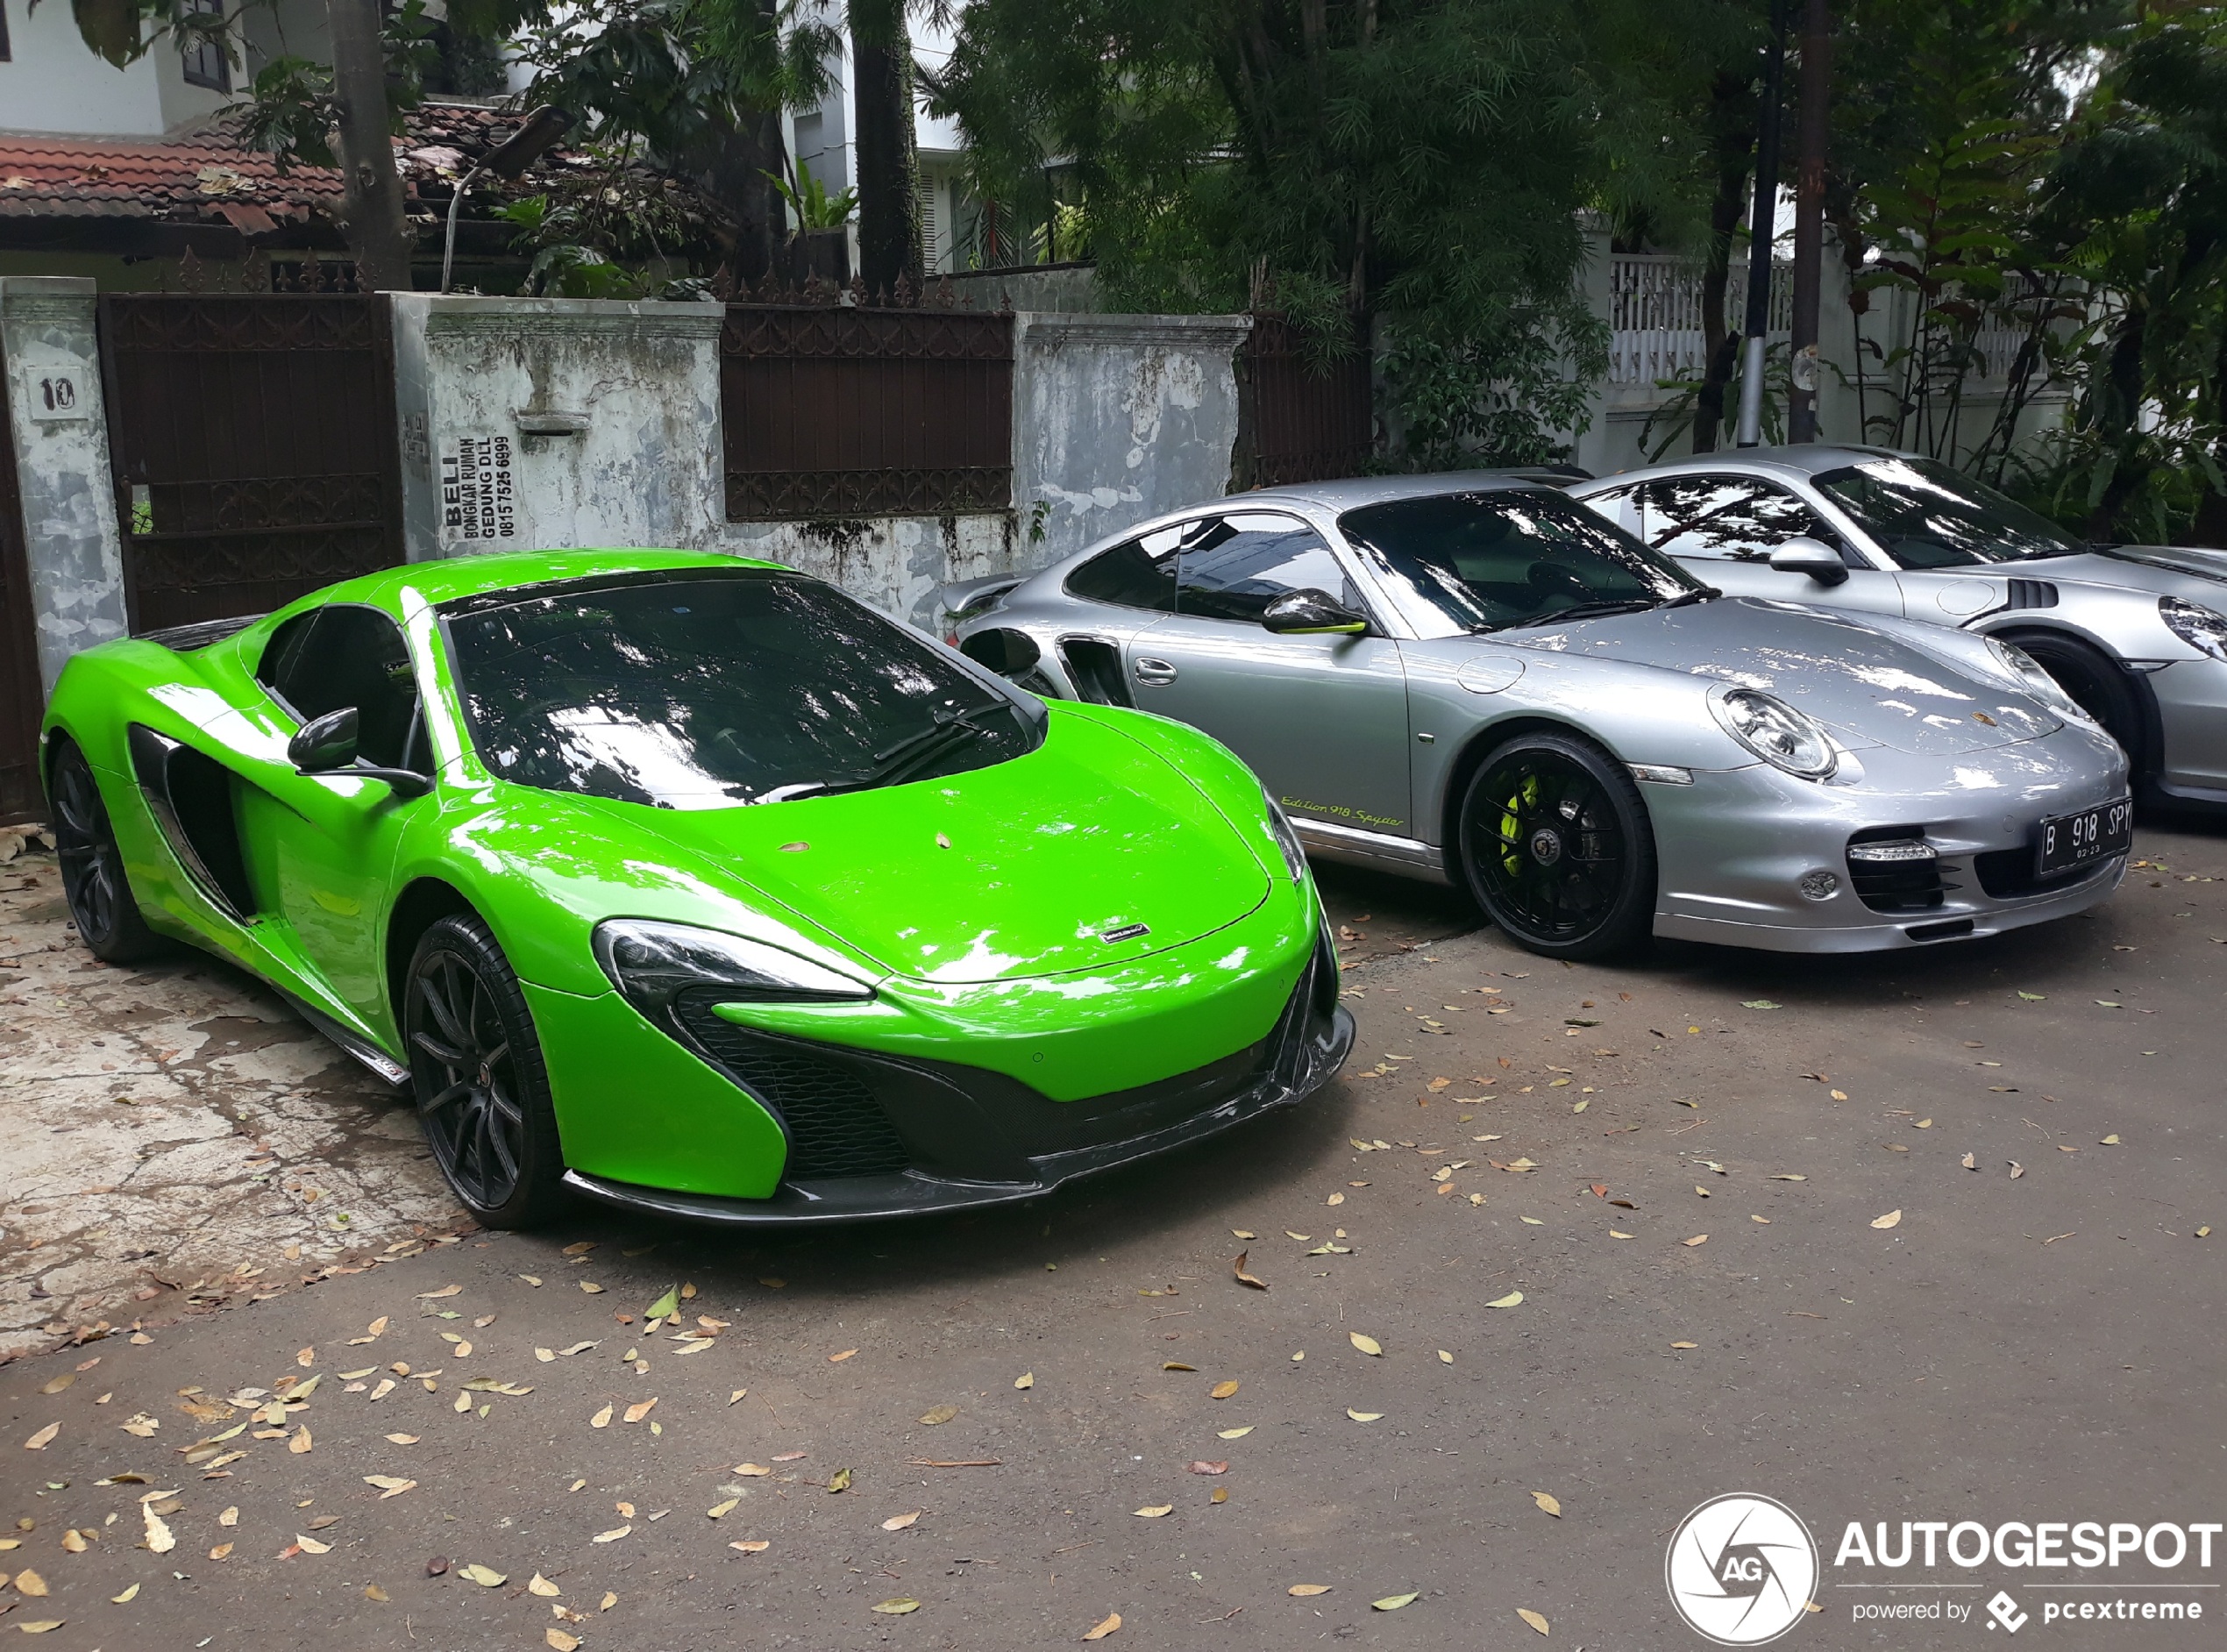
482	1091
2097	683
1557	849
100	902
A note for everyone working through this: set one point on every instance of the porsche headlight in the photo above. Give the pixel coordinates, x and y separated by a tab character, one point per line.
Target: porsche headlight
652	963
2036	681
2203	629
1287	841
1776	732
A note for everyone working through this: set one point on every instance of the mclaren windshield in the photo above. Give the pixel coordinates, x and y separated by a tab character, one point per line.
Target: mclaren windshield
706	689
1923	515
1503	559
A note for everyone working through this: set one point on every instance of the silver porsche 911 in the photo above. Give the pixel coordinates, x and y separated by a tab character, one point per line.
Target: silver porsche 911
2137	634
1471	679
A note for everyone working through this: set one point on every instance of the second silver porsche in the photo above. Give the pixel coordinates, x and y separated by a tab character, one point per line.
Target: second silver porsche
1476	680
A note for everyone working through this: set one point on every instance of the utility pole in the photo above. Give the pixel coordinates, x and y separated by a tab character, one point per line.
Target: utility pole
1809	216
1761	231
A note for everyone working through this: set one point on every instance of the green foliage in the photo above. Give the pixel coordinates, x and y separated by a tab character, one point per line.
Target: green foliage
810	205
292	113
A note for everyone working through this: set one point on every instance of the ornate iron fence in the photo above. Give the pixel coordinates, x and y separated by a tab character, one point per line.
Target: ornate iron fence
885	409
1299	420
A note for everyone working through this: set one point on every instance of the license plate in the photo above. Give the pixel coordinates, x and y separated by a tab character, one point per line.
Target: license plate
2073	840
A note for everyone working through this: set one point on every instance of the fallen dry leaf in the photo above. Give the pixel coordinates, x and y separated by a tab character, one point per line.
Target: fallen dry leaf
1112	1622
402	1439
30	1583
611	1536
1222	1391
635	1413
159	1539
1394	1602
898	1608
938	1413
1698	1239
540	1585
719	1510
1892	1218
557	1638
389	1486
44	1438
751	1545
1367	1345
1206	1468
446	1290
126	1597
42	1626
1026	1379
1514	1299
55	1385
74	1542
837	1359
1685	1344
310	1545
1307	1591
1546	1501
220	1551
899	1523
1234	1433
1244	1278
300	1443
1365	1416
1154	1512
1532	1618
230	1517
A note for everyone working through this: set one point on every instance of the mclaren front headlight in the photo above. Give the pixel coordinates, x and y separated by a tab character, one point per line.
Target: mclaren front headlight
1287	841
2203	629
2034	678
653	964
1782	736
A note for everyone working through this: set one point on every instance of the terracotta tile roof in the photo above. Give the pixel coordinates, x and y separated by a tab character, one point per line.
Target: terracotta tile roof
207	177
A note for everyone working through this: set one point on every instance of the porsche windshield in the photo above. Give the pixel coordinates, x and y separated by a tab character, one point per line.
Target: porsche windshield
709	689
1491	560
1926	516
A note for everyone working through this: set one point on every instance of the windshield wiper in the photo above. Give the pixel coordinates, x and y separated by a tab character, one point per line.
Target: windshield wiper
1583	610
1705	594
947	730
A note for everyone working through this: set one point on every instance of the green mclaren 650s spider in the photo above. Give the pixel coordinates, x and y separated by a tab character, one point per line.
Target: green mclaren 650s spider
691	885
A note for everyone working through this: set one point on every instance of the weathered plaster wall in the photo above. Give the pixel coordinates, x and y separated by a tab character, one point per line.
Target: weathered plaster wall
893	563
545	424
1116	418
47	342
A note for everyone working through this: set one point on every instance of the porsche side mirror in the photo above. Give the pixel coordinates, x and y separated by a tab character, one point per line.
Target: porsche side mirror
1312	613
327	745
1813	557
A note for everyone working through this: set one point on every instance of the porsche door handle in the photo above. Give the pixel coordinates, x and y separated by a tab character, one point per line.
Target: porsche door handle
1155	672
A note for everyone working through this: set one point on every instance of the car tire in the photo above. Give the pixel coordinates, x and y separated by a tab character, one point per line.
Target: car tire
94	885
2097	682
476	1067
1555	843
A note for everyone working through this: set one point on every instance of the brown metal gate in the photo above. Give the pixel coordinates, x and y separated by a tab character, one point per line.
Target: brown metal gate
254	440
20	696
1299	420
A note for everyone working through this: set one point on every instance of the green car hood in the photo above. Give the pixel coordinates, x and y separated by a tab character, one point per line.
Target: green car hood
1001	874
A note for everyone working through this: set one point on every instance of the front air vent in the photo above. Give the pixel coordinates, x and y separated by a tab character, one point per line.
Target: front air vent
836	1127
2031	593
1894	869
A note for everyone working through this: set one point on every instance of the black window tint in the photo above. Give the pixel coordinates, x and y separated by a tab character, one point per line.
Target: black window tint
352	657
1140	573
284	654
1925	515
1732	518
1234	567
1487	559
710	690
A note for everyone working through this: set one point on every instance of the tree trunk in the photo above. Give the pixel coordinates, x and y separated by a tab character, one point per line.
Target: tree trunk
731	168
371	206
1813	131
889	212
1732	122
2120	415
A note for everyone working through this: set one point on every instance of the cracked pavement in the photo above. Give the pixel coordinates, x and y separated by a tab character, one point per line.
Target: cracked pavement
175	1137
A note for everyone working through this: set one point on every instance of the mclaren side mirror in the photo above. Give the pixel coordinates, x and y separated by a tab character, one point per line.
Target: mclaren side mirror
1813	557
327	745
1312	613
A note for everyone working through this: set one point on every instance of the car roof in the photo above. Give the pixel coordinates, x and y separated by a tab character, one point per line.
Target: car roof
455	578
1802	459
1345	493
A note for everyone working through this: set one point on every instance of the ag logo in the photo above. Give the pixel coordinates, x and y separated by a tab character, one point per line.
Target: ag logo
1741	1569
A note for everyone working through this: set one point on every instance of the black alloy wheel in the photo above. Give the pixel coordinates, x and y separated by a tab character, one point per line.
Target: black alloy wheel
1557	849
476	1066
2098	685
99	895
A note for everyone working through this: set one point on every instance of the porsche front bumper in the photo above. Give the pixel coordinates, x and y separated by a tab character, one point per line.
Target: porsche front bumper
879	1135
1736	846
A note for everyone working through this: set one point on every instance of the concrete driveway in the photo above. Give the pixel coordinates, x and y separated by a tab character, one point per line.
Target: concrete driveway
1731	1192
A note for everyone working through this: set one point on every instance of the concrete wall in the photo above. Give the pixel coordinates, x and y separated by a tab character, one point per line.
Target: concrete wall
571	422
1116	418
53	371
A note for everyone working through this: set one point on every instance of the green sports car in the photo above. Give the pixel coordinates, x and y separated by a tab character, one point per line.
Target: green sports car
690	884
